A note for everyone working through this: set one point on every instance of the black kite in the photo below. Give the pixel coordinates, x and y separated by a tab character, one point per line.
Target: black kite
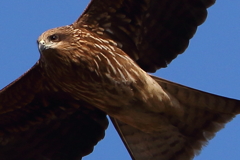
97	66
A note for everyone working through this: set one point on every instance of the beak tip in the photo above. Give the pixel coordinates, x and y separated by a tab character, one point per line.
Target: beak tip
40	47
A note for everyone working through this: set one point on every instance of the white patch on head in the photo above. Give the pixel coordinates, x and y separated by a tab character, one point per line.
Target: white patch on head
42	42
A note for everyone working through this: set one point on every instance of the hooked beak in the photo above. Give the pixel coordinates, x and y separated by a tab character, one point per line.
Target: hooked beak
42	46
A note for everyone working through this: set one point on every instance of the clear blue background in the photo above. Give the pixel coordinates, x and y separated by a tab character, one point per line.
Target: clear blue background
211	63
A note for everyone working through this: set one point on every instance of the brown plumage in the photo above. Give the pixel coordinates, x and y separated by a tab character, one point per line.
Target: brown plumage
97	66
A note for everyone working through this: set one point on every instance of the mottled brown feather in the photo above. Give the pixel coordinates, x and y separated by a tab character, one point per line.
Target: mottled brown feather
151	32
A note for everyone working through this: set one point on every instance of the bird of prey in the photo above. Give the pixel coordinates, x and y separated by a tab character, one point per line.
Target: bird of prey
97	66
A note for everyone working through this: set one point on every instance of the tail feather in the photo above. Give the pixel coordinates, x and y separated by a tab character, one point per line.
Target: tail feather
204	115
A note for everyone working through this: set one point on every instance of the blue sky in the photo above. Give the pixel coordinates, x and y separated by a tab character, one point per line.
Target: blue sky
211	63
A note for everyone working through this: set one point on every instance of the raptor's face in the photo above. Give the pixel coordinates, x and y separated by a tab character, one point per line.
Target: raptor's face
53	39
55	44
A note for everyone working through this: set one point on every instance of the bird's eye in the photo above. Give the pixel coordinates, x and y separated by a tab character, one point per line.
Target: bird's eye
54	38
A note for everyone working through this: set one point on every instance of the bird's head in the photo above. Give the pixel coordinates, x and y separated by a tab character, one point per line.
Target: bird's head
55	44
53	38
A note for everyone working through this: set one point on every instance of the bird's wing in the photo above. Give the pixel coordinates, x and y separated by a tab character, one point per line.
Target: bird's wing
151	32
38	124
204	115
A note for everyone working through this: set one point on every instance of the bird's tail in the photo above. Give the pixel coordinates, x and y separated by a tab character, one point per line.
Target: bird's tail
204	115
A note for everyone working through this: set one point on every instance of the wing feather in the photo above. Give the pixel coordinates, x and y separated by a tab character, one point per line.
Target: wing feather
151	32
36	123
